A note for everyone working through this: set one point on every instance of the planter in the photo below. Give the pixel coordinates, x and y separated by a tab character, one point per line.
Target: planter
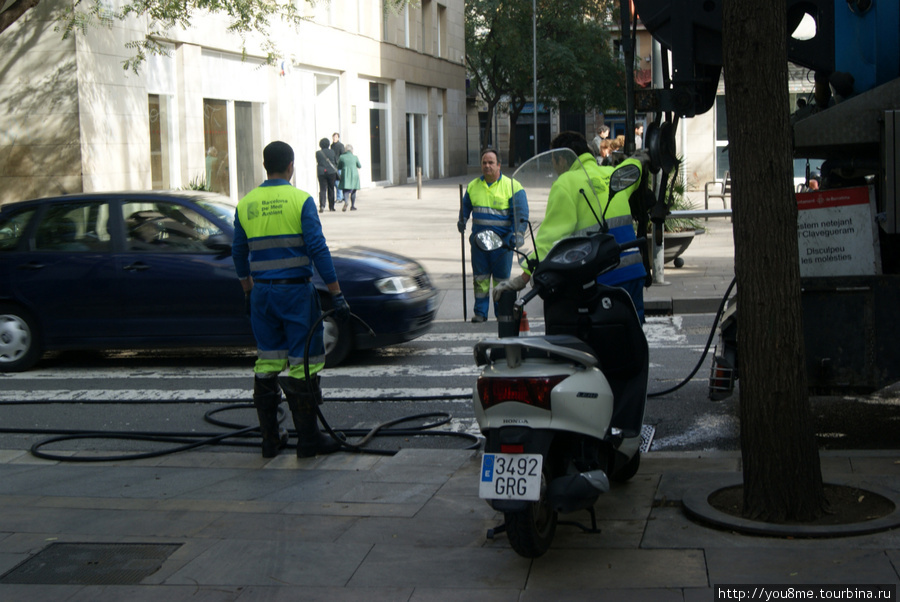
675	243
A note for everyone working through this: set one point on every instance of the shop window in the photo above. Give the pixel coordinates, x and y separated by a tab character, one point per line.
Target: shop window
160	142
215	137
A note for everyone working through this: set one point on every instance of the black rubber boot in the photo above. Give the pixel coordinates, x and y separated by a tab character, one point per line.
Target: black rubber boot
303	397
266	399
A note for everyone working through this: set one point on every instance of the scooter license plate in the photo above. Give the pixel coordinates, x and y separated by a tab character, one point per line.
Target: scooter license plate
511	477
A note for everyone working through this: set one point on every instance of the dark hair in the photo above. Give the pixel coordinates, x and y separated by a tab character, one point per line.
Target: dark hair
572	140
490	150
277	156
324	143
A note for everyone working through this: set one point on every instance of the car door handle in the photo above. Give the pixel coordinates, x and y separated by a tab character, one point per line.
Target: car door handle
137	266
31	265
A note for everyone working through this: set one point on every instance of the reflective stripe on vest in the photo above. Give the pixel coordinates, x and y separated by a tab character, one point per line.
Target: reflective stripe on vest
491	204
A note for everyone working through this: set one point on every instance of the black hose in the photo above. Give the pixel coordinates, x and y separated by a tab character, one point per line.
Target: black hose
712	333
188	441
191	440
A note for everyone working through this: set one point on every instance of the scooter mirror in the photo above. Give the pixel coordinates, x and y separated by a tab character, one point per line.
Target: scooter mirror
623	177
488	240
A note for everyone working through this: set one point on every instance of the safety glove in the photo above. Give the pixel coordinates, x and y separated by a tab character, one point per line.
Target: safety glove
461	226
513	284
341	307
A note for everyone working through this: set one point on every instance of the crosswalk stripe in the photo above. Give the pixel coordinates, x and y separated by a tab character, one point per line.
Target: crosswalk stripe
456	394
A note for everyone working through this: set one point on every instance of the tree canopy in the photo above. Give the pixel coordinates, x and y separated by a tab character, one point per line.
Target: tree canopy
575	62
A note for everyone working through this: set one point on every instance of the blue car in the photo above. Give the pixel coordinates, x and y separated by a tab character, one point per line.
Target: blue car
140	270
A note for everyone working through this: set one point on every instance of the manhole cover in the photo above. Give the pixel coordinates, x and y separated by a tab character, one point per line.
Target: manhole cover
91	564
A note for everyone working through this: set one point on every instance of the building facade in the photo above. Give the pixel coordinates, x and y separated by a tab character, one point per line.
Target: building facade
73	120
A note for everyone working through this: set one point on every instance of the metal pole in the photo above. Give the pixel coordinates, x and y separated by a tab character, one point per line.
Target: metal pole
657	247
462	240
534	100
628	49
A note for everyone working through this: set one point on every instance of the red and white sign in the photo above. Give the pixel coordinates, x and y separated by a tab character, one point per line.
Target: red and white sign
836	232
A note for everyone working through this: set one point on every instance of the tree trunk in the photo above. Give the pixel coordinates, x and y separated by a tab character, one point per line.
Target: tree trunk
486	134
511	147
781	470
515	109
14	11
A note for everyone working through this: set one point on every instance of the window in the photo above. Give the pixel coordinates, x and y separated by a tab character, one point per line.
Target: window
12	228
233	125
77	227
250	172
166	228
215	136
722	164
416	125
160	142
417	134
442	31
378	131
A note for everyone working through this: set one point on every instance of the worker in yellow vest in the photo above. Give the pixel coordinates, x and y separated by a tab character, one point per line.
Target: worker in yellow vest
277	239
495	202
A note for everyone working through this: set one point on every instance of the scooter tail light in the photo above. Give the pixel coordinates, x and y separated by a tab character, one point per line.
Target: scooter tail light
533	391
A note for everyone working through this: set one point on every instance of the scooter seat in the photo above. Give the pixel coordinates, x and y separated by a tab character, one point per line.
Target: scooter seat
563	340
560	340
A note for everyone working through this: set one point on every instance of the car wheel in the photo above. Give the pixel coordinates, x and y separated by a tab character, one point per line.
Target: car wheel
20	345
337	336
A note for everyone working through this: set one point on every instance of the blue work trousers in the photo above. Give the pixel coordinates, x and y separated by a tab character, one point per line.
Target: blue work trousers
281	316
487	264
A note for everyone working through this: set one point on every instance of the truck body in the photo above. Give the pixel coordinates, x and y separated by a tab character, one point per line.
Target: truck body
852	125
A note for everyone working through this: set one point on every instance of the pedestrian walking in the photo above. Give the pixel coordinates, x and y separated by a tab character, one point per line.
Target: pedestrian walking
349	183
337	147
326	171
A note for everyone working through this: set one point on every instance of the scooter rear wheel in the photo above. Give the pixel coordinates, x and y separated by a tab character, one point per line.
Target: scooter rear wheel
531	531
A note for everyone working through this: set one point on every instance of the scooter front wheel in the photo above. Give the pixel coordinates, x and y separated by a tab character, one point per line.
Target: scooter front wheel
531	531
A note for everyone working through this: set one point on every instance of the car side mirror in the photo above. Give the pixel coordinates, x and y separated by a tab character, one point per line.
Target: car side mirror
219	242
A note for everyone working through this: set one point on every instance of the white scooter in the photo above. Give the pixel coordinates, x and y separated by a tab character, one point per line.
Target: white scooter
562	414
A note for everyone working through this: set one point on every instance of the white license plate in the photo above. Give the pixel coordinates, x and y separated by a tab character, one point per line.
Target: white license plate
511	477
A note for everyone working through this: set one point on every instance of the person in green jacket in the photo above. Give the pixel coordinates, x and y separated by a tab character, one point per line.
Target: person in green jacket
568	214
349	165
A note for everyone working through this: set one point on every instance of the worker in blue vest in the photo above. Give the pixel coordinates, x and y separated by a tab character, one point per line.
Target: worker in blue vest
277	239
495	202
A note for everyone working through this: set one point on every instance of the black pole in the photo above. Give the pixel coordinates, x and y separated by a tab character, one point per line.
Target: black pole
462	241
628	49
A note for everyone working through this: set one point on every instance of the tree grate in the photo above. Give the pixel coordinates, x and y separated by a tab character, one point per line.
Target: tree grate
91	564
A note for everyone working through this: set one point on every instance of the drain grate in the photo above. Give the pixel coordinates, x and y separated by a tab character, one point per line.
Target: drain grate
91	564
